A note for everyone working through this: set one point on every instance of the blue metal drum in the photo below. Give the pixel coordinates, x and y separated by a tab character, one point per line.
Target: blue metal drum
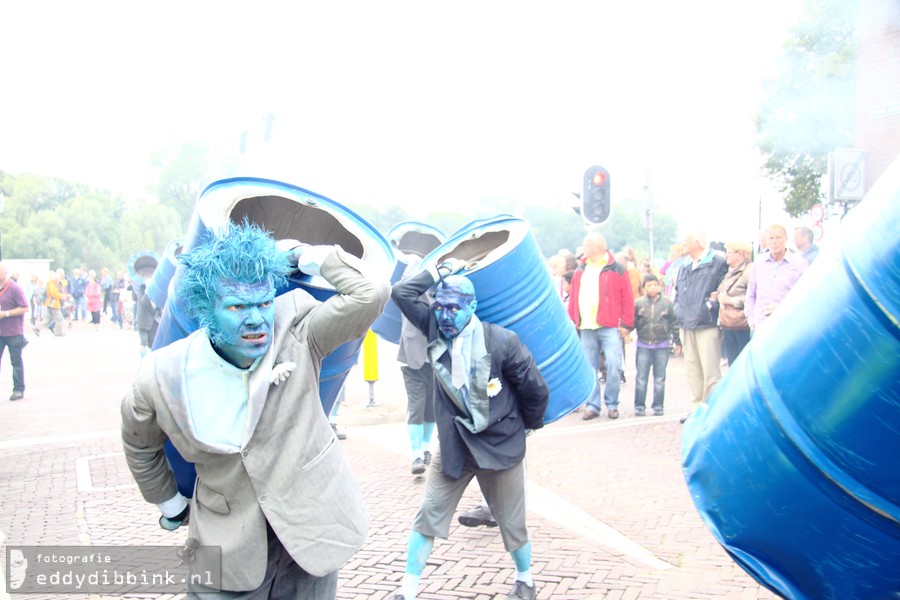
288	212
514	290
141	266
793	463
158	286
409	237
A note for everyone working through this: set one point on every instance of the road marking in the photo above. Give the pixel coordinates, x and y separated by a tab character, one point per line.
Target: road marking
83	474
554	430
554	508
59	439
540	500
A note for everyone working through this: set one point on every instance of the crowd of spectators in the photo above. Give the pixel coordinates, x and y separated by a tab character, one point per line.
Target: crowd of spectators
58	299
719	294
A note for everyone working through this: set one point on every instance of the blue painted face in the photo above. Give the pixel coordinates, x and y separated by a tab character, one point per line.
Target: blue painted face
454	305
244	318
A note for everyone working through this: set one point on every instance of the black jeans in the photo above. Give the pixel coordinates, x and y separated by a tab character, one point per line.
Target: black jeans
733	341
15	343
658	358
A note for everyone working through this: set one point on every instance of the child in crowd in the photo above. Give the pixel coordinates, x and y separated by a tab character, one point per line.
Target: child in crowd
654	321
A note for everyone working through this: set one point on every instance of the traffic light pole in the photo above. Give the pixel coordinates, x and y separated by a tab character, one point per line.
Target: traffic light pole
648	217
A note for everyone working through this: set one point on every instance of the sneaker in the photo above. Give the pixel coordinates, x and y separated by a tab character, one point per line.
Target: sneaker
622	378
478	516
523	591
640	411
658	412
37	331
613	414
418	466
427	458
16	395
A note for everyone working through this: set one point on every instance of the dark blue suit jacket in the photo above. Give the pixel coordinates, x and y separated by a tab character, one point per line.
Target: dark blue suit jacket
519	405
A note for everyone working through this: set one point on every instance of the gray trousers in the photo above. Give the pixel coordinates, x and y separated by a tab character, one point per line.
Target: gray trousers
284	579
504	490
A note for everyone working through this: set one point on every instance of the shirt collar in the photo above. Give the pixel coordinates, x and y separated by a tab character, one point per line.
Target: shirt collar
599	263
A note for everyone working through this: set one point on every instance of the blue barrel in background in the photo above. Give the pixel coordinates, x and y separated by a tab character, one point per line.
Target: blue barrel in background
158	286
288	212
141	266
793	463
408	237
514	290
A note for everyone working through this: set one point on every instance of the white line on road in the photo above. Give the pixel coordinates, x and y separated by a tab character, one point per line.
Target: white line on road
540	500
83	474
59	439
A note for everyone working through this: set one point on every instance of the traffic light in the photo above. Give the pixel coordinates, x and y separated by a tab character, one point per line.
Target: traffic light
595	203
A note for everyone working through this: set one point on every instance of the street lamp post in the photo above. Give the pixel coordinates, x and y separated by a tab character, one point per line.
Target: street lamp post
648	215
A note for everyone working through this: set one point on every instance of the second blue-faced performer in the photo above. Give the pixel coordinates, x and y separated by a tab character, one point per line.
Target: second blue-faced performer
488	394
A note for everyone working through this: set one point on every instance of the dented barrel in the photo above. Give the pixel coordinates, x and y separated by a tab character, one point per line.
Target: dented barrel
141	266
793	461
409	237
514	290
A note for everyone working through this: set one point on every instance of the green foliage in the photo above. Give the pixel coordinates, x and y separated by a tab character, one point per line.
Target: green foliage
183	172
625	228
809	107
77	226
555	228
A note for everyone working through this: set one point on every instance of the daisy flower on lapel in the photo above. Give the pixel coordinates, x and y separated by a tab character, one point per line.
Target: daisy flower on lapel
282	371
493	387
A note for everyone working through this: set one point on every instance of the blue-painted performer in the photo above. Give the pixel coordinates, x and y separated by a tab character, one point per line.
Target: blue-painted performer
488	394
239	398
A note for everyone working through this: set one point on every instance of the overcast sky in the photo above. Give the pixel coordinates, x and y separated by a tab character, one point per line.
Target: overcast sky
421	104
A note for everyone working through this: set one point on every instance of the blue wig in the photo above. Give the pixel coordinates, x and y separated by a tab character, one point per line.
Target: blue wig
241	253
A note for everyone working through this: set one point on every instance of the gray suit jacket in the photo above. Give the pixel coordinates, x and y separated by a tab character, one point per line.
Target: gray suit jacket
290	472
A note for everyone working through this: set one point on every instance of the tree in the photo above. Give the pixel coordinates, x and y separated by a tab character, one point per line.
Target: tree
77	226
183	172
809	108
555	229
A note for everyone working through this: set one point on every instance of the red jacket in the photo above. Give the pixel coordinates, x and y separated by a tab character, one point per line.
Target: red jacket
616	298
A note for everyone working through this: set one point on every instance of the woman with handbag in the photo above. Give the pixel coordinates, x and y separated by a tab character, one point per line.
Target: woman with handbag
731	294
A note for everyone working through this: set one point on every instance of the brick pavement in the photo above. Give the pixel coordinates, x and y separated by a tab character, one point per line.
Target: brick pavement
609	513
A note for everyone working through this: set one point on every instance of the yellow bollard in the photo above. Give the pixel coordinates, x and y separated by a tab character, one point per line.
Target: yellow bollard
370	363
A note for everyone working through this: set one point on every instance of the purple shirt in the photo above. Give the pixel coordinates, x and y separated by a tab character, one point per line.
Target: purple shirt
770	281
12	298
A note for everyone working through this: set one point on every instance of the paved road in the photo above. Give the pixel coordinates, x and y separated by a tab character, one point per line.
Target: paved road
609	513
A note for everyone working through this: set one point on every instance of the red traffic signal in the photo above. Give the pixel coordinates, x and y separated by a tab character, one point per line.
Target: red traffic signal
595	200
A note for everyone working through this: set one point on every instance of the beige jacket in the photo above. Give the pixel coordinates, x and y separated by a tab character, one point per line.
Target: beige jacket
290	472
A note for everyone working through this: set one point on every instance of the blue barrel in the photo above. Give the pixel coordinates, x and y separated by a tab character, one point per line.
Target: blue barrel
514	290
793	463
288	212
409	237
413	237
158	286
141	266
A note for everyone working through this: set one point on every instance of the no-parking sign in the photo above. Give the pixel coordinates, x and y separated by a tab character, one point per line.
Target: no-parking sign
849	174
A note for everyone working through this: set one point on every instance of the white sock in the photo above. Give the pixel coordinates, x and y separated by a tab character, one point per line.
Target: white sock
419	454
525	576
409	586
